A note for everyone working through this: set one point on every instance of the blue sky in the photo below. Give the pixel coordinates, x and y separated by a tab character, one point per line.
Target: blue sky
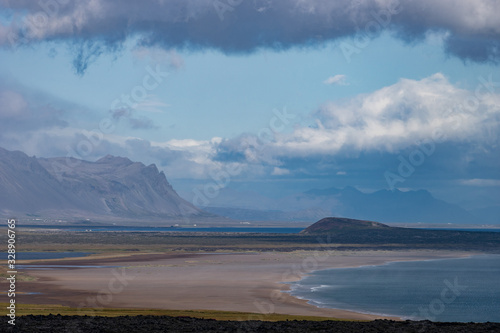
292	95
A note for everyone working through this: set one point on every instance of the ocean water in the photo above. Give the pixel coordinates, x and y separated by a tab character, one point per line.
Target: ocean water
463	290
277	230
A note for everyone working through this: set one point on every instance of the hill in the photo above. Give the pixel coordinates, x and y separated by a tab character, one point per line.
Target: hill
350	231
334	224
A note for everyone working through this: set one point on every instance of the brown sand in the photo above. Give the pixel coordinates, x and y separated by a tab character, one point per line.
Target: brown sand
246	282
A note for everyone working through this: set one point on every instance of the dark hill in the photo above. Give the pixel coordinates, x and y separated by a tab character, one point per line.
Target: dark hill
333	224
350	231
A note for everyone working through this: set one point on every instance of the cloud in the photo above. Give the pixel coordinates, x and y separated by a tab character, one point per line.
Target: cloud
134	122
480	182
141	123
43	125
387	121
280	171
156	55
151	104
363	135
338	79
396	117
472	28
12	104
23	110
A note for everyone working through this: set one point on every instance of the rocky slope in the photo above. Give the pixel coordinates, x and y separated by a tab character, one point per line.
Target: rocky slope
111	186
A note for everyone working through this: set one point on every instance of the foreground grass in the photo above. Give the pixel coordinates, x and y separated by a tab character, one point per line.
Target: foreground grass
44	309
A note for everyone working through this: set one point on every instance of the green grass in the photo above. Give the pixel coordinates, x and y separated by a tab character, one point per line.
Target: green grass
44	309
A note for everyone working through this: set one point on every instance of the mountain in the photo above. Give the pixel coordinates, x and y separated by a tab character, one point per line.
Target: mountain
331	224
489	215
28	187
384	205
389	206
110	187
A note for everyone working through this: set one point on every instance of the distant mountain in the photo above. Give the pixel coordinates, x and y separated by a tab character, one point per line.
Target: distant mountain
388	206
489	215
383	205
109	187
334	224
267	215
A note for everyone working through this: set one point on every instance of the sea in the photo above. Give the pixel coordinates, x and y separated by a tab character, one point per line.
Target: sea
277	230
98	228
458	290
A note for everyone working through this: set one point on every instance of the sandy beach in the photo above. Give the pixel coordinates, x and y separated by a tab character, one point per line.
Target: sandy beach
246	282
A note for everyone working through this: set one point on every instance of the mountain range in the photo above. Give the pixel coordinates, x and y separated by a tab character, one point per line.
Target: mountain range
384	205
66	187
114	188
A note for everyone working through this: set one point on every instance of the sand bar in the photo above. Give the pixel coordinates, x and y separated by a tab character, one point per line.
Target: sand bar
246	282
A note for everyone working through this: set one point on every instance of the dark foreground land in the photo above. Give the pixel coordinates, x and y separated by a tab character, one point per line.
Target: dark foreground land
77	324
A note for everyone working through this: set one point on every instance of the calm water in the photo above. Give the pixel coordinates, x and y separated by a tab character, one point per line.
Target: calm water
162	229
278	230
470	229
463	290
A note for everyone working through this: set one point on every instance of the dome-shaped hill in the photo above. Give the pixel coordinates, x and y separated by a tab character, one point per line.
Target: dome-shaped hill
332	224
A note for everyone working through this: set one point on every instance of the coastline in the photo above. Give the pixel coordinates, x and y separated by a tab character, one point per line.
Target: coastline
245	282
315	302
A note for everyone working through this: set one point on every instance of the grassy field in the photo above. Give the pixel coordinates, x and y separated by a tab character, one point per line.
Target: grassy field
43	309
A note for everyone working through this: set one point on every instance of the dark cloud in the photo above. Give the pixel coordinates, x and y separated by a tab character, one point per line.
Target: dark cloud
470	28
86	53
475	49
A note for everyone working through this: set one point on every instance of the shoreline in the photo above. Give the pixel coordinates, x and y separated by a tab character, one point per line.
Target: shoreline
368	313
245	282
373	313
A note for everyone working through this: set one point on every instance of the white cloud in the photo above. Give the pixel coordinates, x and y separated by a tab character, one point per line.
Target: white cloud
338	79
480	182
280	171
396	117
151	104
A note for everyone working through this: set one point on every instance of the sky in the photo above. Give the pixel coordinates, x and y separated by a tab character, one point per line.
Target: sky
271	96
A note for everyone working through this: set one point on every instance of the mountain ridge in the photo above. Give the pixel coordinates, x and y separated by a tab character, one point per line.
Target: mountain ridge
109	187
414	206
